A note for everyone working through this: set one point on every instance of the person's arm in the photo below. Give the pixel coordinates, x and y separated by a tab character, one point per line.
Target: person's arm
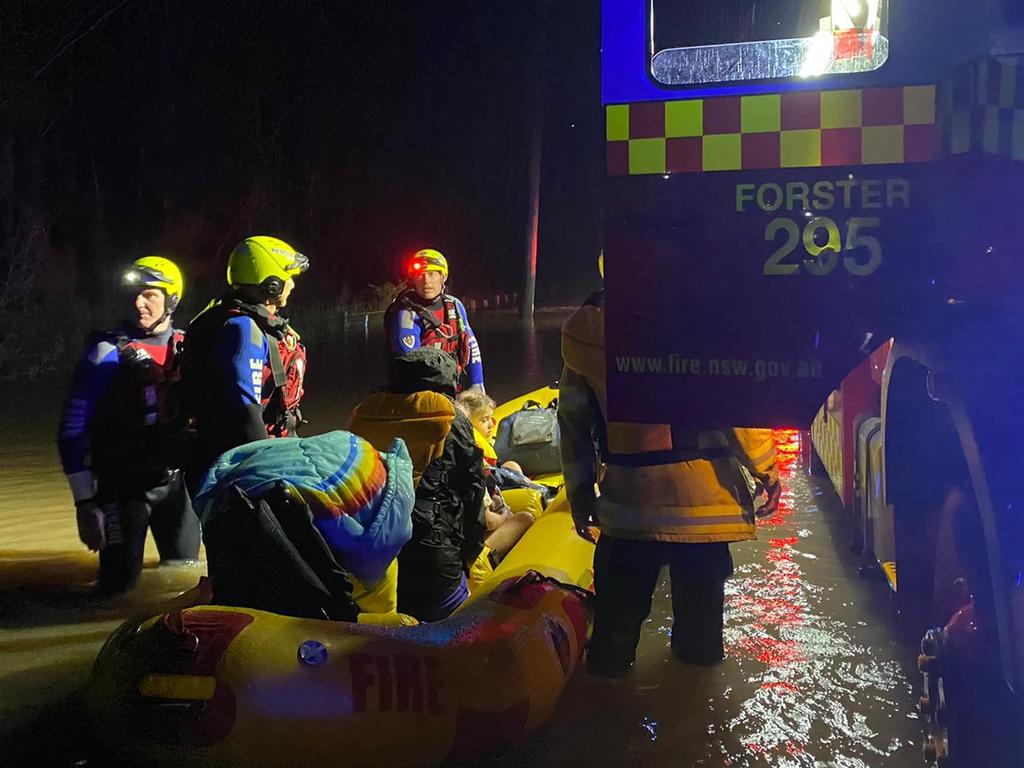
404	333
579	423
242	352
471	488
92	379
756	449
475	369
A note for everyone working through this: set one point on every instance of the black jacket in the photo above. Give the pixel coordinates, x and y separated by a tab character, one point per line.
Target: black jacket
448	524
222	422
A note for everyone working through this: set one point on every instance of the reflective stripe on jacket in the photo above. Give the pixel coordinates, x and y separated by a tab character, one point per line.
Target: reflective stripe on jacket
658	483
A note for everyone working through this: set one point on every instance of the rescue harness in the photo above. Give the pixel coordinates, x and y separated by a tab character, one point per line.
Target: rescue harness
443	327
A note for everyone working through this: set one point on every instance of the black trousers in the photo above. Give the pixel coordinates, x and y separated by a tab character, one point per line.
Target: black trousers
166	509
625	575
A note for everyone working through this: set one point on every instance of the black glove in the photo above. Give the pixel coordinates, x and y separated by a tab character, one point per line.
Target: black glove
91	523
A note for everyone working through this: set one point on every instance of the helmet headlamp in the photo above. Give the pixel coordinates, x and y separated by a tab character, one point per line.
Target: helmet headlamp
135	277
428	260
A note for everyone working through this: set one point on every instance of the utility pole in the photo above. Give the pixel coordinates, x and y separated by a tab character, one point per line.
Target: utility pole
535	146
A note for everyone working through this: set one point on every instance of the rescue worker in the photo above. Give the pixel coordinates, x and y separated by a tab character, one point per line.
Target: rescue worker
244	365
664	496
426	316
448	526
119	430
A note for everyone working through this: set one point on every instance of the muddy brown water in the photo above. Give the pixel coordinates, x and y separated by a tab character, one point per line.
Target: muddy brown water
814	676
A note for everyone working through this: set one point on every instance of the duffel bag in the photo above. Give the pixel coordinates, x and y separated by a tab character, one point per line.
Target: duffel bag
530	437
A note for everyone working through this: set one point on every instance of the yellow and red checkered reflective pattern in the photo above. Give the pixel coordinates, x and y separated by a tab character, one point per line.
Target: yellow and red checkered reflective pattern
803	129
982	108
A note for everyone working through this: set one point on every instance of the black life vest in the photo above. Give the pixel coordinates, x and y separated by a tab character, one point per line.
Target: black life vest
137	418
283	372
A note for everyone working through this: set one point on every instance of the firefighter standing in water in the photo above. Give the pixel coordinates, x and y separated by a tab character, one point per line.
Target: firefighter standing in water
244	365
119	429
426	316
665	496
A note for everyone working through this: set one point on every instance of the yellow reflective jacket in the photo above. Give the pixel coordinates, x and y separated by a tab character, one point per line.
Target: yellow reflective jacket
704	498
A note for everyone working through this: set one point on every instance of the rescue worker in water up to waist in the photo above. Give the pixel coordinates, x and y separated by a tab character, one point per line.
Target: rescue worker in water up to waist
120	429
664	496
426	316
244	365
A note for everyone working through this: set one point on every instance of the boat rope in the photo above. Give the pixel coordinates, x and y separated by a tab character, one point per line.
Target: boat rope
536	577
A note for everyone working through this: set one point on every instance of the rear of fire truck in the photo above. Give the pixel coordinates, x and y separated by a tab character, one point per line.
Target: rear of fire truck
813	213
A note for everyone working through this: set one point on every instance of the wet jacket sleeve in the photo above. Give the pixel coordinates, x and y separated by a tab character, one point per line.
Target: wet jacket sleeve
475	369
580	423
92	378
756	449
404	333
243	353
470	465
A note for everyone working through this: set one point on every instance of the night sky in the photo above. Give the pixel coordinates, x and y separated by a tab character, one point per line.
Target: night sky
358	131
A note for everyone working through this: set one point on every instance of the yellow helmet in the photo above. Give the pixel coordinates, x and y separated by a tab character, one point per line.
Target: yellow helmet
428	260
155	272
264	262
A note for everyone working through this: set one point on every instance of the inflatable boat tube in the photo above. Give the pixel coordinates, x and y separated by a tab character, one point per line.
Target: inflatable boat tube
209	685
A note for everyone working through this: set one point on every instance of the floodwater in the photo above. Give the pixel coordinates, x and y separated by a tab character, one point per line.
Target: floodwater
813	676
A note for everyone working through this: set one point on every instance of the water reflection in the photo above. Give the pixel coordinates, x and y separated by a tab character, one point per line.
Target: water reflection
813	677
787	636
50	630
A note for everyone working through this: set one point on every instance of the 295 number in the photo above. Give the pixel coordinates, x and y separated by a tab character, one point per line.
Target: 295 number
823	243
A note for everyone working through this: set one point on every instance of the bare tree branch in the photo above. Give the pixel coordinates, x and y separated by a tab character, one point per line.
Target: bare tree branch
70	44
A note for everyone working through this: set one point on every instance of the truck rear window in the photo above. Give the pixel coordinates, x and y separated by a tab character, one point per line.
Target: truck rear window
697	42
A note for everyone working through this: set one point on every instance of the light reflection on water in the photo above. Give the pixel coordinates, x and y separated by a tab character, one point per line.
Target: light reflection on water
812	678
50	631
812	675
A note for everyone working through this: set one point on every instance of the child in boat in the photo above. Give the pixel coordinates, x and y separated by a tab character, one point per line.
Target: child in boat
479	407
504	527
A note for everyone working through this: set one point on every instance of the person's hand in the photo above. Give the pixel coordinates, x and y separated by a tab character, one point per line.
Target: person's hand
90	524
585	521
771	505
499	506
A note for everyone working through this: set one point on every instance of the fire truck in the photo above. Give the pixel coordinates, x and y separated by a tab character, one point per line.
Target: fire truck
814	217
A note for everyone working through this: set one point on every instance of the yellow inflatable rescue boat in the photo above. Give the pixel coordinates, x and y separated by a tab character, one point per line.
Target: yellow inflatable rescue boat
210	685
